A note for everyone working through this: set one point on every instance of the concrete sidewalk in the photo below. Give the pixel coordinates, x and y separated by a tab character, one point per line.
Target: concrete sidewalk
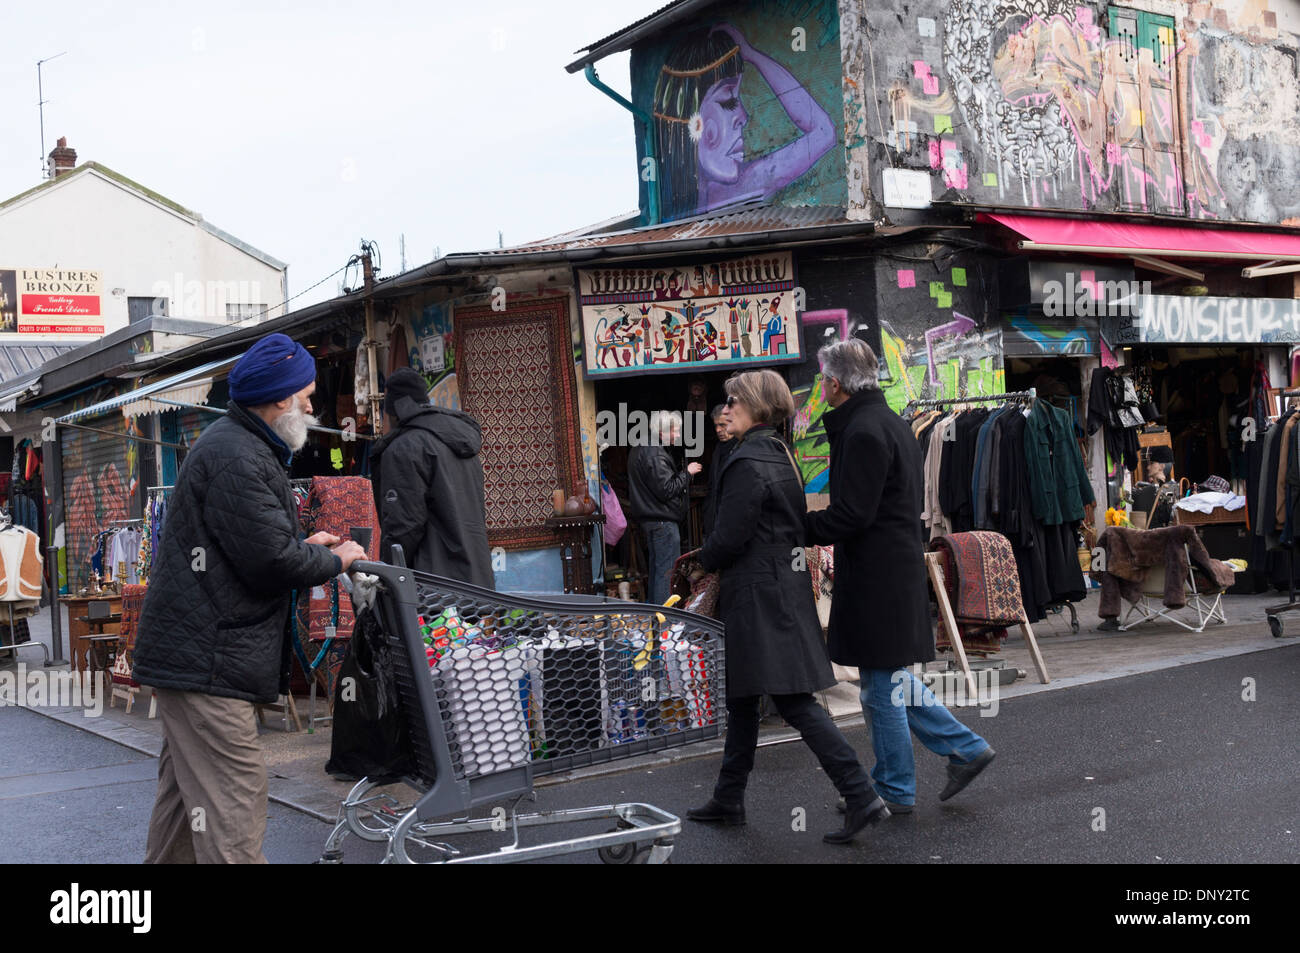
296	760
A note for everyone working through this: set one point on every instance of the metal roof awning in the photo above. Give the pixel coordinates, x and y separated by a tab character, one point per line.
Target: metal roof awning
1139	241
190	387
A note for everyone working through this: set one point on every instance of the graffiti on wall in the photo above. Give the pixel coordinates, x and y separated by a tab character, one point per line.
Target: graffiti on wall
101	471
1037	103
743	108
1030	334
811	446
962	363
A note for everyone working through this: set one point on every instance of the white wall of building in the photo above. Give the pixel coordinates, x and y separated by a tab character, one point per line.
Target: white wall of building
141	247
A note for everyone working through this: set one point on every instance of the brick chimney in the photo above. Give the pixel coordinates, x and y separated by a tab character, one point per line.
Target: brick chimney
62	159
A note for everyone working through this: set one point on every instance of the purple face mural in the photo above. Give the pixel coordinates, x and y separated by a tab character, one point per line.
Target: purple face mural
700	124
722	137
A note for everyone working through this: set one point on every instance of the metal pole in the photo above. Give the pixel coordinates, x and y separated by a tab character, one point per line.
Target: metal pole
56	611
40	105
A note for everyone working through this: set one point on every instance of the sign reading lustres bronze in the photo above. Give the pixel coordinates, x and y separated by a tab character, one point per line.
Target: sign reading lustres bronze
50	301
708	315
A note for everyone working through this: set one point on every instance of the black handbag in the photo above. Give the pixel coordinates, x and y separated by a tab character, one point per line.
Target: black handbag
370	738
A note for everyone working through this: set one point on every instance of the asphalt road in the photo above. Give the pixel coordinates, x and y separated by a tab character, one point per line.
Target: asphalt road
1185	769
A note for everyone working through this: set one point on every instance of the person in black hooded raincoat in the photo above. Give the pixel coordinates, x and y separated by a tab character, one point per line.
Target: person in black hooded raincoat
773	637
428	485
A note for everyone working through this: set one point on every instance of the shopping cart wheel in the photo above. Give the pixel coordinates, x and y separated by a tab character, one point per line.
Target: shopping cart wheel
373	821
624	854
1275	626
629	853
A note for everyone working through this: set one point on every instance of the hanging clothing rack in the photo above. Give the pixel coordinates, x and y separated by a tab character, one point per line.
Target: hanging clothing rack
1272	612
1031	394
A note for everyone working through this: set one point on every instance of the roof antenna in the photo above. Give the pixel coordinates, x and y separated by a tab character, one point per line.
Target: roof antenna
40	103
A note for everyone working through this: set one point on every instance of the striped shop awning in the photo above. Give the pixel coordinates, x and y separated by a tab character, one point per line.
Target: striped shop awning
190	387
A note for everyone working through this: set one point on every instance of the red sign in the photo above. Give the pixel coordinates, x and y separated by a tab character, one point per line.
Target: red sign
61	304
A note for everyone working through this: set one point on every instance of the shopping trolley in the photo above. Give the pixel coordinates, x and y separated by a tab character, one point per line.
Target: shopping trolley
498	689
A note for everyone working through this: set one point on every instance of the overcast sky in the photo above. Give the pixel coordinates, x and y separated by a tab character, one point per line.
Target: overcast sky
302	127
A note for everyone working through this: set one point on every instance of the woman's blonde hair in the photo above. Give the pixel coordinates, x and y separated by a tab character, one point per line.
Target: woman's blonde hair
765	394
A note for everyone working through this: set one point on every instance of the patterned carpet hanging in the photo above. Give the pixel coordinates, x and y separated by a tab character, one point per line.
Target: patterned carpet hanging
516	378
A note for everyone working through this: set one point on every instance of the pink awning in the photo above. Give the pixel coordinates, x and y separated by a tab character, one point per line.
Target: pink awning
1122	238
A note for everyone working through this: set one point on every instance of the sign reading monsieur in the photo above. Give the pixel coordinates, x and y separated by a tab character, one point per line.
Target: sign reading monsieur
1174	319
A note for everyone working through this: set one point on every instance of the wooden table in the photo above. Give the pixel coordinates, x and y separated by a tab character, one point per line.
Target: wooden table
79	630
575	549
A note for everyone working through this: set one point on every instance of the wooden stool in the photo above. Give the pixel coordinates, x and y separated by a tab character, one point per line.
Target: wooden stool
285	706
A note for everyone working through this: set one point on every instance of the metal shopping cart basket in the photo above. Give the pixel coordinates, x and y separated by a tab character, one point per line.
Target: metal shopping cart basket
498	689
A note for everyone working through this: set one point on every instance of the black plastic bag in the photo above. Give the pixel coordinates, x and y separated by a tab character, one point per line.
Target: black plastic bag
370	739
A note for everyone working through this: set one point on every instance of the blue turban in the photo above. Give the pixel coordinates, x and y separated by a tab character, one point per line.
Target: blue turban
274	368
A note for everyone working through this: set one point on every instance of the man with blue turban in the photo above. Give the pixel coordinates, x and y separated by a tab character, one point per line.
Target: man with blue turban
214	638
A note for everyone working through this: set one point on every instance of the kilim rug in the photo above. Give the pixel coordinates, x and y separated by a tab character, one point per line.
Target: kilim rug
334	505
514	370
132	605
983	584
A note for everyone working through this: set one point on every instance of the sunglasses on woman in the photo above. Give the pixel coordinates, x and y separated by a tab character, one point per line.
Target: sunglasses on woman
731	400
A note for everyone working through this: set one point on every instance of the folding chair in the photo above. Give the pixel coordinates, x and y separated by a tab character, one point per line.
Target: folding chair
1205	602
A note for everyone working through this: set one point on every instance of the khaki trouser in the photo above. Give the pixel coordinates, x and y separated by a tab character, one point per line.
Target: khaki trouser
211	805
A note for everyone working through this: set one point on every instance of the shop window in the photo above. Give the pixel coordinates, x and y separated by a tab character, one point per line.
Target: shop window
138	309
243	312
1143	138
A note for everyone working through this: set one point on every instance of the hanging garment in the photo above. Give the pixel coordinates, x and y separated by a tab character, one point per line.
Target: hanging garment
1058	480
21	565
1130	553
25	512
361	382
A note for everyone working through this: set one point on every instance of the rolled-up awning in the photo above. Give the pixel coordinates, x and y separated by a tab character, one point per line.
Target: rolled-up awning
1044	233
190	387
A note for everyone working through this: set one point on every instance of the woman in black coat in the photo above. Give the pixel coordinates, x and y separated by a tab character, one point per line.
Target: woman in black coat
774	642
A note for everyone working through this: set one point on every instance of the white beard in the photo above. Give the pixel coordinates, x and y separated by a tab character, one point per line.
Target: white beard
291	427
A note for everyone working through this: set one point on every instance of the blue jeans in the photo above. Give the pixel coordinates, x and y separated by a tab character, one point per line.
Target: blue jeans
663	544
894	701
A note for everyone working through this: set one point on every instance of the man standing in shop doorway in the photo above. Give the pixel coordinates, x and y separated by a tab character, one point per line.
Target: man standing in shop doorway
657	499
720	453
428	483
213	635
880	610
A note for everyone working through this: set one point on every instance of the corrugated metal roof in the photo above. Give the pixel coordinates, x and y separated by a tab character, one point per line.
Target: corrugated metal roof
632	33
631	26
19	359
742	221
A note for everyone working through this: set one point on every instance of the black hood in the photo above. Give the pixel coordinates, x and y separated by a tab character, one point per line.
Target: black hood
457	430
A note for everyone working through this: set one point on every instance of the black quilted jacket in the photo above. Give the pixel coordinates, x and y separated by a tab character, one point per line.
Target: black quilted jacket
215	614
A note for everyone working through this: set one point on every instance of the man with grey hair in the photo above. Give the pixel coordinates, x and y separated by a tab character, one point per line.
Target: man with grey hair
880	611
657	493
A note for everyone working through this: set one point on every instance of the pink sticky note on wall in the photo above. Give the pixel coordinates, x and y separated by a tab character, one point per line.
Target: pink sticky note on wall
906	278
936	156
920	69
931	85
